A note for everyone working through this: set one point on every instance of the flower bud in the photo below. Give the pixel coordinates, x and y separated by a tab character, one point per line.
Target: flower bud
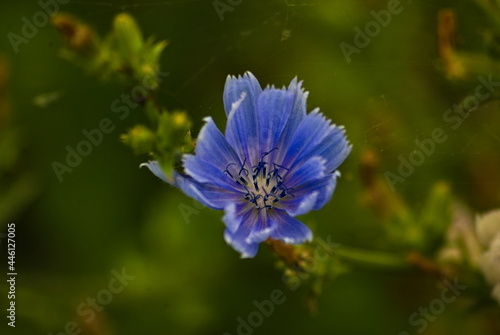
128	36
140	138
77	36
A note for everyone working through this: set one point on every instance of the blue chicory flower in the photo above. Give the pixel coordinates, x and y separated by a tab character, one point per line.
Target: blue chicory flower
274	162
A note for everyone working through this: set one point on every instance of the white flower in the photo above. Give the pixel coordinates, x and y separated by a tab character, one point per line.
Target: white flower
488	227
490	262
488	232
496	292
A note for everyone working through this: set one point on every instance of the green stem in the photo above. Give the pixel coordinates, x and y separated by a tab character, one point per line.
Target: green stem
490	8
372	259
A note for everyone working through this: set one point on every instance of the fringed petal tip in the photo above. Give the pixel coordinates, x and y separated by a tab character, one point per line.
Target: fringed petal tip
296	86
246	250
247	75
155	168
235	86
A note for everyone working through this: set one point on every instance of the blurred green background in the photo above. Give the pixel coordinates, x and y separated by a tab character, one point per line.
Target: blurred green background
107	214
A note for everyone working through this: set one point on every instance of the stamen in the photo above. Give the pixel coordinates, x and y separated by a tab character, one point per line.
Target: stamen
226	171
243	168
267	153
267	185
256	185
257	168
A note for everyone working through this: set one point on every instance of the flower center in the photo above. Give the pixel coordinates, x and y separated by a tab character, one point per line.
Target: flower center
264	183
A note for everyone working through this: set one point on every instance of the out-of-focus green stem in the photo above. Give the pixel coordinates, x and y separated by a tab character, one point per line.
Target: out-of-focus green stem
492	8
374	259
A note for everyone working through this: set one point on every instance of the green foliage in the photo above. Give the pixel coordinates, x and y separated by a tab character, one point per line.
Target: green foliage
125	55
18	186
387	252
423	230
